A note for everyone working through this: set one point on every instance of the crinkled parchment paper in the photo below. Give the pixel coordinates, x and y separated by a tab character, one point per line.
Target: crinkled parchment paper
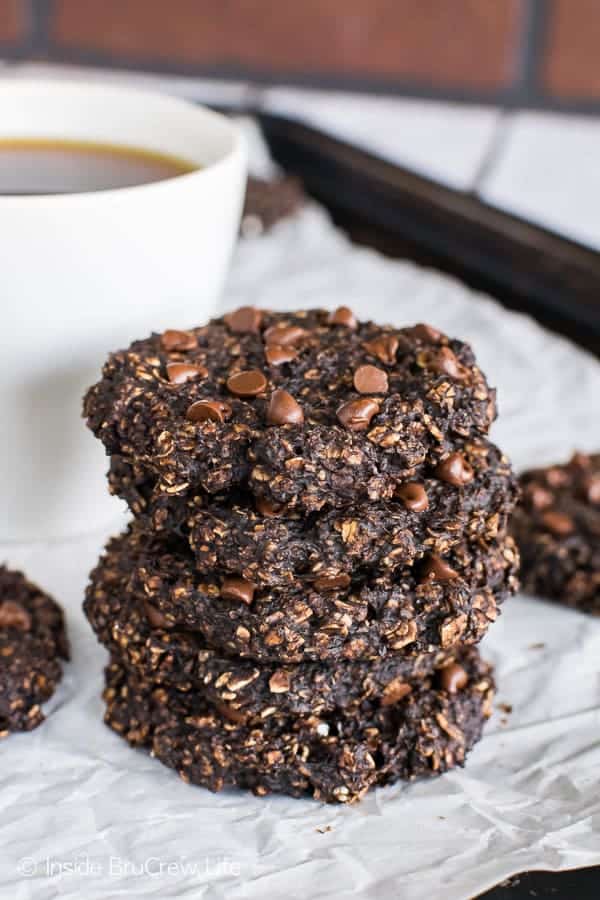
83	815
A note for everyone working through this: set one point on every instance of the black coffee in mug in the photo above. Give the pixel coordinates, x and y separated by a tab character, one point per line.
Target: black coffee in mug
46	166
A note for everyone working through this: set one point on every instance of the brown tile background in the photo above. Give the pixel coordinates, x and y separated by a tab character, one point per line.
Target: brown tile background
381	38
525	53
572	63
14	23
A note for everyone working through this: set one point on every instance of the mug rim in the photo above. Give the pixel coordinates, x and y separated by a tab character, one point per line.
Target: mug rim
237	145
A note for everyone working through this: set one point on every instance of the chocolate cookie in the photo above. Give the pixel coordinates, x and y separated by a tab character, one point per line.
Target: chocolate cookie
331	757
268	545
32	641
240	688
268	202
436	605
557	527
307	409
428	516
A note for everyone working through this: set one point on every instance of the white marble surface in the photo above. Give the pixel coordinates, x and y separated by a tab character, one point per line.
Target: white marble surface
541	166
549	171
444	141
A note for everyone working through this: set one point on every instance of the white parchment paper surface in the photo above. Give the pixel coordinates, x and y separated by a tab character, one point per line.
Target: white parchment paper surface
83	815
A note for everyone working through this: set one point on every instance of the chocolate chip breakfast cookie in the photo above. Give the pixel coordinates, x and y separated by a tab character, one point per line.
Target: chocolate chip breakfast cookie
33	640
557	527
305	410
433	606
332	758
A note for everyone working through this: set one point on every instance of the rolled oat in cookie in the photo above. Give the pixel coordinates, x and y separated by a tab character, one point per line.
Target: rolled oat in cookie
33	641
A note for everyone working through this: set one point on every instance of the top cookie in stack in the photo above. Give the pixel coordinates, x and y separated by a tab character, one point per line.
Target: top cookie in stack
306	410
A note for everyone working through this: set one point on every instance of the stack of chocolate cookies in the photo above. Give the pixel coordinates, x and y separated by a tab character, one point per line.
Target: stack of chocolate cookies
319	542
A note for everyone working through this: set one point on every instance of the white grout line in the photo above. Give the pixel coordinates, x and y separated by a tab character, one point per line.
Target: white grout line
492	156
443	141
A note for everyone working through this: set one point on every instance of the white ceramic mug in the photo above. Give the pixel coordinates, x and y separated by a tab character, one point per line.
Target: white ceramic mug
83	274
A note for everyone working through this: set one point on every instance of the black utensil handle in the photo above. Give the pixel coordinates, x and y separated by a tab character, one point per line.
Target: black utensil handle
524	265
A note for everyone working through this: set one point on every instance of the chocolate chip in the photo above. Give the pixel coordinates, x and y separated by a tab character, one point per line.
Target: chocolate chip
444	362
280	681
283	410
426	333
357	414
558	523
238	589
284	335
332	582
247	384
394	691
208	410
179	373
155	617
13	615
178	340
384	348
538	497
455	470
413	496
591	489
276	355
245	320
343	316
453	678
371	380
435	569
268	508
